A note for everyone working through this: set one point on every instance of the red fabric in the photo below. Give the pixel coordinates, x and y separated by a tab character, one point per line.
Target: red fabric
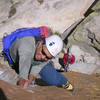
68	59
44	31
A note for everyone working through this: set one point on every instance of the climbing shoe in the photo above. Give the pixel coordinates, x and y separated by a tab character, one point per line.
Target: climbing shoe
68	86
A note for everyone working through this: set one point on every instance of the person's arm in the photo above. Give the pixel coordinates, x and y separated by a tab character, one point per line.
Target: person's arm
38	49
26	52
25	60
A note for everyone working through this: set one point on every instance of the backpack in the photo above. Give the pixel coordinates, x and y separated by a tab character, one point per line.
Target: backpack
8	40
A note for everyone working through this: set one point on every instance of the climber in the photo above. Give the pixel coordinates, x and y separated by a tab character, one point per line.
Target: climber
32	50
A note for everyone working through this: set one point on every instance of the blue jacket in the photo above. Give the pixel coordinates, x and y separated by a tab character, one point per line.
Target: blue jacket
19	33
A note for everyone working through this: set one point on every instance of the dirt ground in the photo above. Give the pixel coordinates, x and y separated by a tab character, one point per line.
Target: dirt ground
86	87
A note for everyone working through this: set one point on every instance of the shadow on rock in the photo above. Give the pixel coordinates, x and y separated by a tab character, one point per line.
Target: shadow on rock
2	95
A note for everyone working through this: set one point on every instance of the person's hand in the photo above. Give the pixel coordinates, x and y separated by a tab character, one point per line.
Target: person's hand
27	83
21	82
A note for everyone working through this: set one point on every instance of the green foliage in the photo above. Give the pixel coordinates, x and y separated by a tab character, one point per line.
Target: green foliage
97	6
52	32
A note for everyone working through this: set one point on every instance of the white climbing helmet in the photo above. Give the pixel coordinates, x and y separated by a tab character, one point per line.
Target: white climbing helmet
54	44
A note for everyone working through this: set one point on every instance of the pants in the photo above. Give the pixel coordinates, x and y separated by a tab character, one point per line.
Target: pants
51	76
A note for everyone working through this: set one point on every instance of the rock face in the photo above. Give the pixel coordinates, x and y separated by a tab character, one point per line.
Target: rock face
82	40
86	87
57	14
8	74
84	43
4	10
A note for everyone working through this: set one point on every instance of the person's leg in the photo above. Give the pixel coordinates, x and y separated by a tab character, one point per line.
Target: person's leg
51	76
